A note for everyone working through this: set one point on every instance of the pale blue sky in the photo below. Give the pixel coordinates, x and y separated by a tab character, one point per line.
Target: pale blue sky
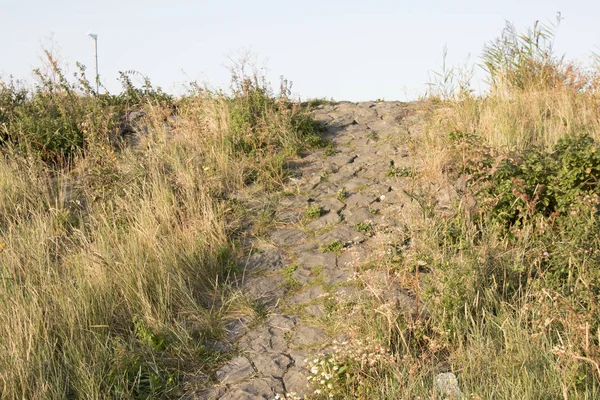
348	50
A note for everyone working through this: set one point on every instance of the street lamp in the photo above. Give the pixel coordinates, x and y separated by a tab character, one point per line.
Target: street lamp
95	37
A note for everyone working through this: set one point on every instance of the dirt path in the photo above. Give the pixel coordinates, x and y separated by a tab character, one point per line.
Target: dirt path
356	193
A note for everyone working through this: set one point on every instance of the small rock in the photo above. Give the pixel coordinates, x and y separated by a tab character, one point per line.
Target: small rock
447	384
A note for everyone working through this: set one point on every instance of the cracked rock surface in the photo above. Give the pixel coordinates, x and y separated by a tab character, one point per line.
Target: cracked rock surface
361	194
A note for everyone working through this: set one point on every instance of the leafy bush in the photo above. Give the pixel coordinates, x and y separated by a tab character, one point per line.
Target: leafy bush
540	183
59	118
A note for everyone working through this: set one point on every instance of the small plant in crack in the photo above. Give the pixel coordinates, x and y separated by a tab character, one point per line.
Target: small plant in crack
361	188
373	135
263	221
290	282
341	194
364	227
374	211
316	271
330	151
398	172
334	247
314	211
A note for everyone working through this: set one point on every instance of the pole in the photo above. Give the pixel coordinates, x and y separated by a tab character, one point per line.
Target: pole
96	55
95	37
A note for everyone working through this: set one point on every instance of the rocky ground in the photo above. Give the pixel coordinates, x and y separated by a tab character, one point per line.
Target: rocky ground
340	208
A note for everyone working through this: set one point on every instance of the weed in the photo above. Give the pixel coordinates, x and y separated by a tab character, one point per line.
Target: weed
361	188
364	227
398	172
334	247
373	135
330	151
313	212
341	194
290	282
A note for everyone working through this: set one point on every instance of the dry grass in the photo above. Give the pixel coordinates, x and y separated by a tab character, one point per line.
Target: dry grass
511	312
116	264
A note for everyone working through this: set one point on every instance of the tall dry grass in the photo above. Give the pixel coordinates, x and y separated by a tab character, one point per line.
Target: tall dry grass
116	255
509	305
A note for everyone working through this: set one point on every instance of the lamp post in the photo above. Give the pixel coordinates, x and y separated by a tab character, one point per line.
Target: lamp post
95	37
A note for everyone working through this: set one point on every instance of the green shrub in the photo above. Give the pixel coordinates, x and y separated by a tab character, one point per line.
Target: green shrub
539	183
59	118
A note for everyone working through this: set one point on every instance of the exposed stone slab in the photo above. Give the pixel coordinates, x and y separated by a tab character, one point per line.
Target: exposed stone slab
295	381
290	216
267	289
330	218
313	259
299	357
268	259
271	364
308	336
342	233
263	340
315	310
308	295
359	200
235	371
264	388
330	204
333	276
357	215
288	237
